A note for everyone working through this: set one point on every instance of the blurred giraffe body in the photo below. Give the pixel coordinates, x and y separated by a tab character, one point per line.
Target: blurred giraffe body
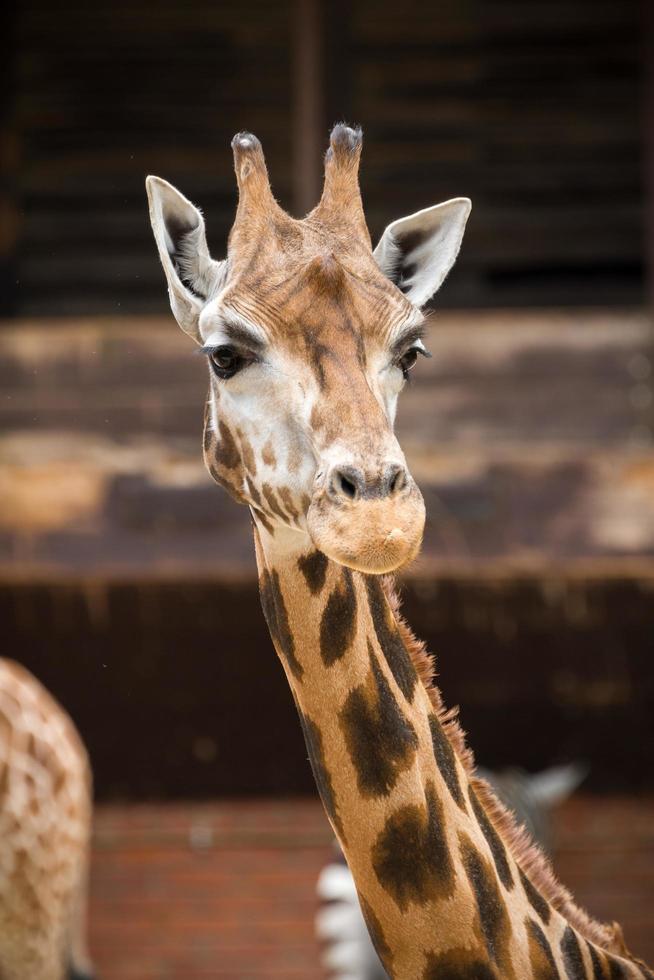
347	950
45	818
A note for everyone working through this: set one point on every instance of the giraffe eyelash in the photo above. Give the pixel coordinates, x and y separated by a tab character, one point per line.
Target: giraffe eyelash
414	335
209	350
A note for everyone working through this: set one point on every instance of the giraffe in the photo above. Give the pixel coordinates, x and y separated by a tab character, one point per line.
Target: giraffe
310	335
45	816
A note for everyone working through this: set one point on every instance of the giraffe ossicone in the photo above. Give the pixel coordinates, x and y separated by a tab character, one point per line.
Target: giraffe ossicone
310	335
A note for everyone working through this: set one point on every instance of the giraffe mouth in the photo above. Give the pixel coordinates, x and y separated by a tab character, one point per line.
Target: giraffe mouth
372	536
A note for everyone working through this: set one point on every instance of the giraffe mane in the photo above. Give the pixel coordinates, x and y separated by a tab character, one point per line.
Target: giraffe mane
527	853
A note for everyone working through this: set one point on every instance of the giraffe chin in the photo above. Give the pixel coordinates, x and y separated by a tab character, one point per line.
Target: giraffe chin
374	537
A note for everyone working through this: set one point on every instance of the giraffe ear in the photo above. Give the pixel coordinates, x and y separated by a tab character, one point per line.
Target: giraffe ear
417	252
193	276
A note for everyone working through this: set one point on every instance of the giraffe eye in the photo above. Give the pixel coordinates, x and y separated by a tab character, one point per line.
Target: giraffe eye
408	361
409	358
226	361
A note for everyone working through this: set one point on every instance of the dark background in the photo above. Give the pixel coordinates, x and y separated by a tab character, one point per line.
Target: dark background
537	111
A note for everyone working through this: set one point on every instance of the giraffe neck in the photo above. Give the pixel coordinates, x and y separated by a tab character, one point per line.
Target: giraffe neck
442	893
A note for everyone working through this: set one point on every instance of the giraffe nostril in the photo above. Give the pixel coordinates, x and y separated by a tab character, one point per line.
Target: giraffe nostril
347	487
346	481
396	480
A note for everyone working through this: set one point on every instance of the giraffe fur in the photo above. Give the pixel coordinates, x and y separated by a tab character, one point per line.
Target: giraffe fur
45	820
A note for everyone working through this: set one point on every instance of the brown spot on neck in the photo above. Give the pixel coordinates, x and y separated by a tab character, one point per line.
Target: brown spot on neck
597	962
573	960
390	640
446	760
321	774
380	741
274	610
384	952
338	623
493	916
314	568
458	964
493	839
535	898
411	858
541	958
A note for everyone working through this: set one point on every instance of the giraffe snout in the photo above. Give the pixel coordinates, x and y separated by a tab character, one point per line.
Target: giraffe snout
369	518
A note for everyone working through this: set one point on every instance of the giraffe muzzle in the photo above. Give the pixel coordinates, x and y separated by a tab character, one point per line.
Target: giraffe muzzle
372	522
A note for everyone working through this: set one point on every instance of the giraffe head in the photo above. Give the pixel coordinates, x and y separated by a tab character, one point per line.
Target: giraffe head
310	335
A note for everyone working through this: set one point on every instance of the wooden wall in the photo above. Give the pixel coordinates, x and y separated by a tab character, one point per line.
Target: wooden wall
530	109
105	94
177	691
